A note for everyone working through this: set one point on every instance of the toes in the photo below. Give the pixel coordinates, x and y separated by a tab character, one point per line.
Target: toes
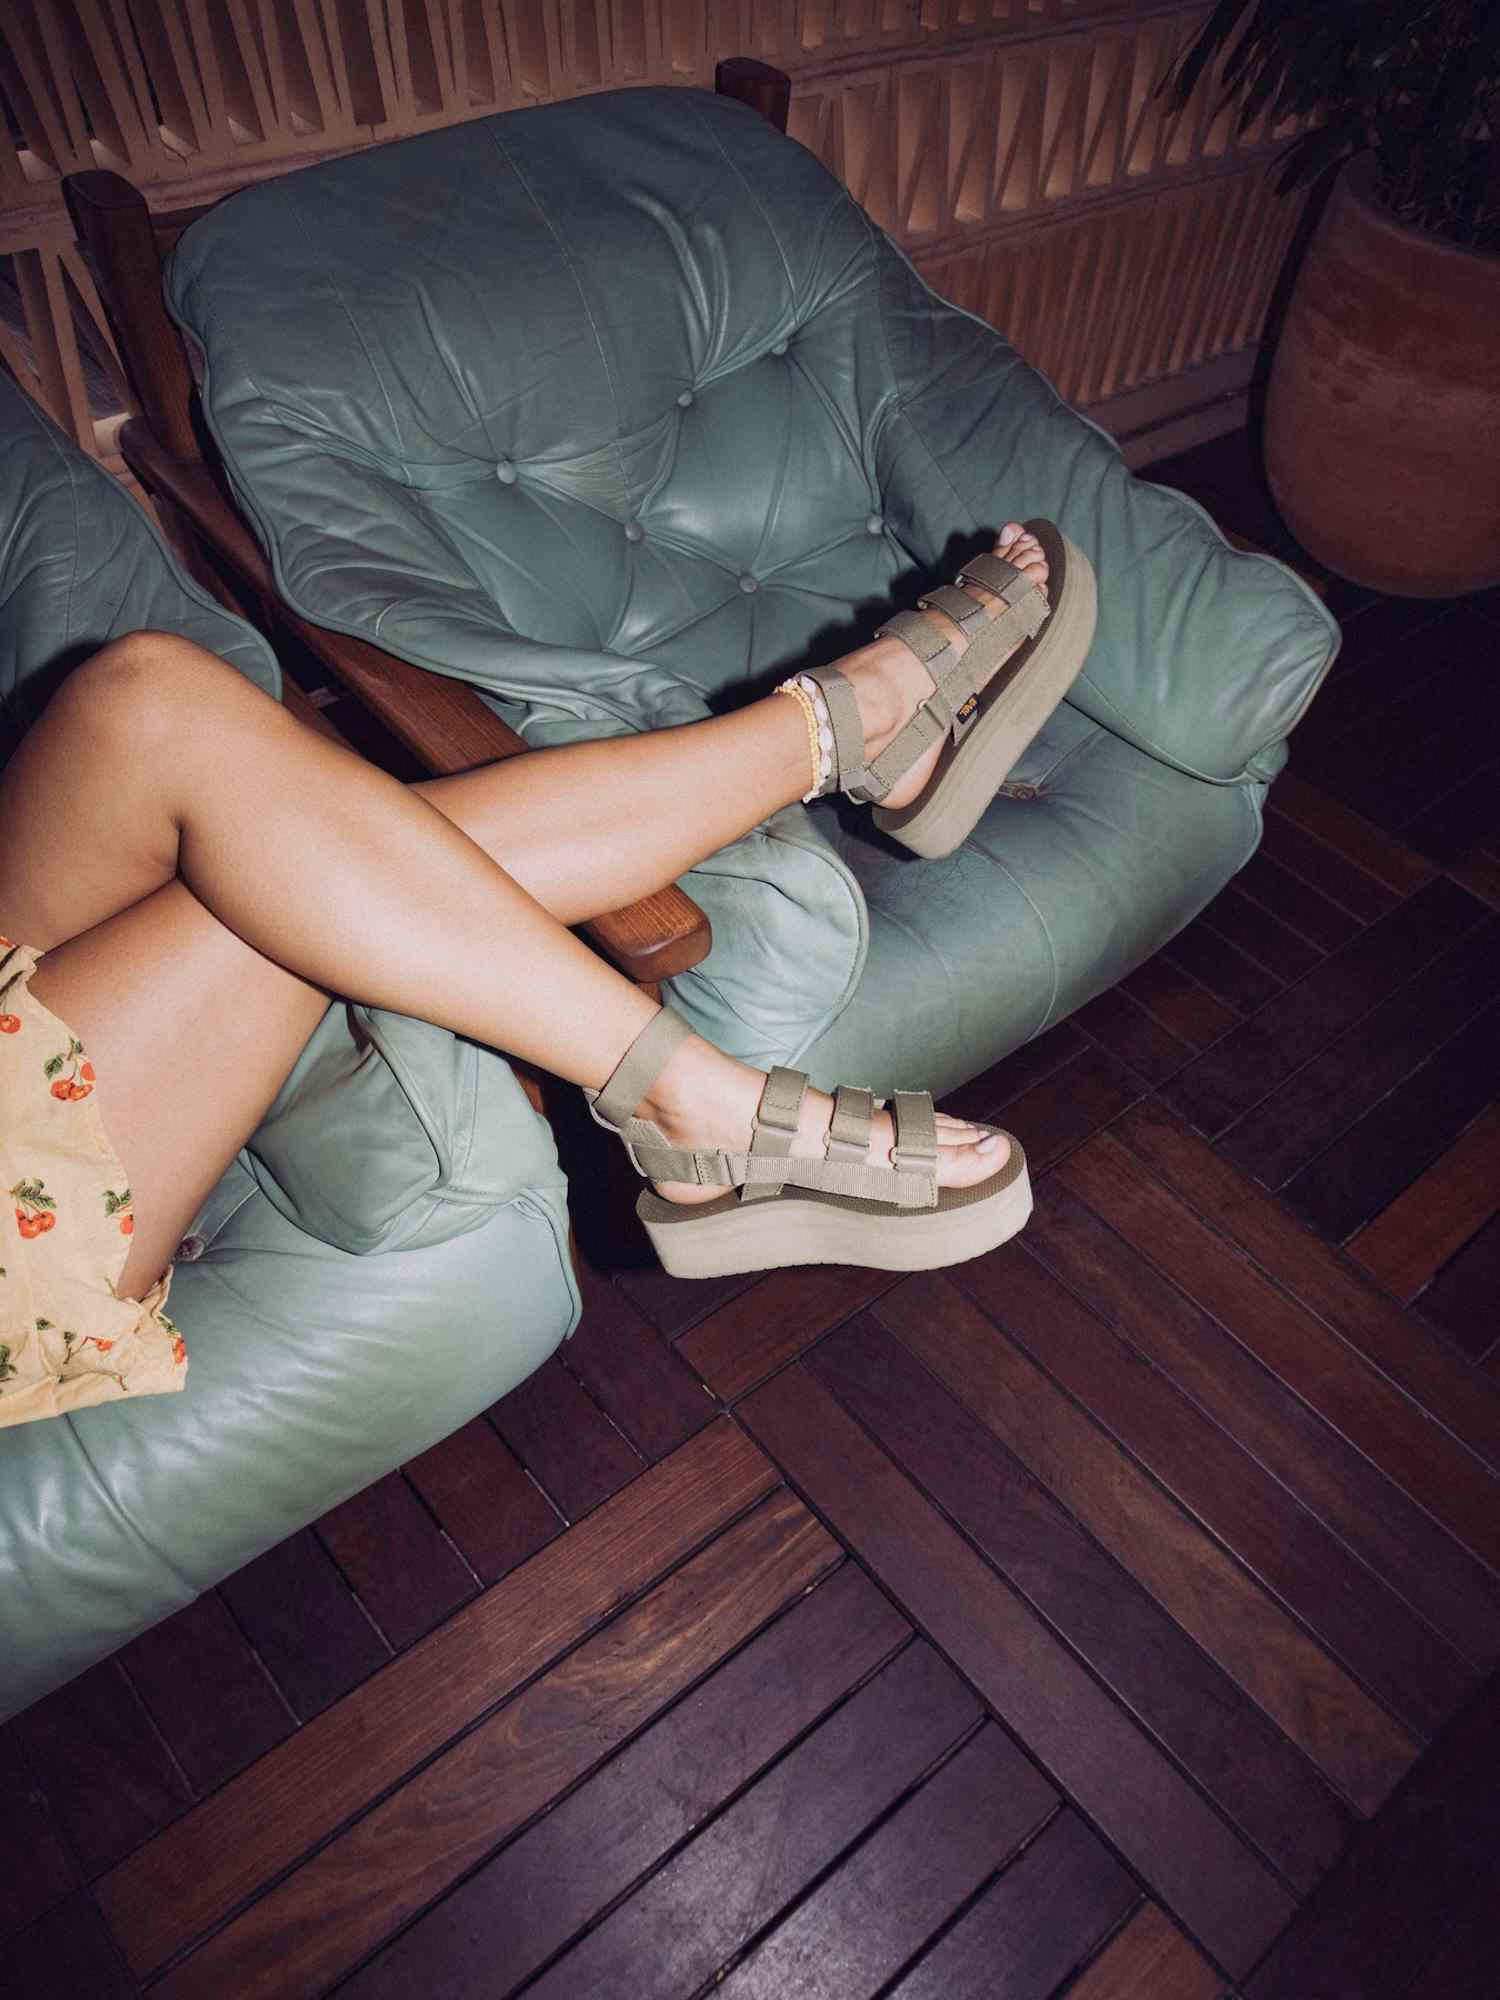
1024	550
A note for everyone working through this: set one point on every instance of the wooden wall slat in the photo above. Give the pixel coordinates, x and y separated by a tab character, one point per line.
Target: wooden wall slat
962	130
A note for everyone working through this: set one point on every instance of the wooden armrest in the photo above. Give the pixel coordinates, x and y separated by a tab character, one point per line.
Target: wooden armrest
441	721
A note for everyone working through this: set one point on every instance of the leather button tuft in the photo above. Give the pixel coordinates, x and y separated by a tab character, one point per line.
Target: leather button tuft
634	532
1022	791
505	472
190	1249
685	400
747	584
781	347
874	525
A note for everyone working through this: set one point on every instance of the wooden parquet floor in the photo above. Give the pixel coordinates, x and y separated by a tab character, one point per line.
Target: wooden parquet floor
1116	1617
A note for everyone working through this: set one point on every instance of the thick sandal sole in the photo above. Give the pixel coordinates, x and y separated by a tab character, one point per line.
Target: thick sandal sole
967	778
801	1226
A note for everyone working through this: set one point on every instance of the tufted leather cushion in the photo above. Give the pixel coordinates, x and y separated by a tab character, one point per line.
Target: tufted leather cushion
632	378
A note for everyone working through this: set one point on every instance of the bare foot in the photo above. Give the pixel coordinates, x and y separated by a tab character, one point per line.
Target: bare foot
705	1099
890	682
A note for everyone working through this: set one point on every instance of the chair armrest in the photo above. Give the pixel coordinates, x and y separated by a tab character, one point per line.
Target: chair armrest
442	722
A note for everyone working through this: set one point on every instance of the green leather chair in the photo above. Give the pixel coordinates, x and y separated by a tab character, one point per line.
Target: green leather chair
387	1256
621	407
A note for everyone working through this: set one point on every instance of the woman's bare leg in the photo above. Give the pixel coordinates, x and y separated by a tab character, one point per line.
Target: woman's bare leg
593	826
204	872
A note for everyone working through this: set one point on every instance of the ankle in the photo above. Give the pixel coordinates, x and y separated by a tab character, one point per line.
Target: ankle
703	1098
885	690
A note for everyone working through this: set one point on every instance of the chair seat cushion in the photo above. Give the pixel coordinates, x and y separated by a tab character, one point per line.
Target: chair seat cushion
311	1373
390	1133
1091	858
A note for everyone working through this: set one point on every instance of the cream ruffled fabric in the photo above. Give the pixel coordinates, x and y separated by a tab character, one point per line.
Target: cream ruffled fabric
66	1340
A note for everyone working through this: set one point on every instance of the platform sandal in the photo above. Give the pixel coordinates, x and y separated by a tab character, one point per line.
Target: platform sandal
782	1210
989	701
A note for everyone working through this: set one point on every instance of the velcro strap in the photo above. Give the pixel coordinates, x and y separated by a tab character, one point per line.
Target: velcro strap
995	574
956	604
849	1128
848	729
772	1133
677	1163
918	634
916	1147
639	1067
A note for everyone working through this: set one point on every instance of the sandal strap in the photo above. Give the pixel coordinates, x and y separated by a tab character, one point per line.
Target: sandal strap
953	705
1021	596
848	730
849	1128
916	1147
773	1130
642	1063
844	1169
957	605
769	1166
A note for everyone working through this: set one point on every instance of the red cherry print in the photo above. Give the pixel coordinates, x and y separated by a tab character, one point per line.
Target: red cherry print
77	1090
10	1024
127	1225
45	1221
63	1088
29	1225
86	1071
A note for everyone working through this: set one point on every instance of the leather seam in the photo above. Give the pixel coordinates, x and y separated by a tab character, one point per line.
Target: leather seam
354	326
488	125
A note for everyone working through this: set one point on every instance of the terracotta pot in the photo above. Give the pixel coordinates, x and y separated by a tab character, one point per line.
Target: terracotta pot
1382	435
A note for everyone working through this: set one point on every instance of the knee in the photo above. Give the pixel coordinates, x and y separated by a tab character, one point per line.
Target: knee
143	683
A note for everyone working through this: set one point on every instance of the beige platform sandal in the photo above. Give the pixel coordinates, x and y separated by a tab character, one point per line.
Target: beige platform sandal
990	701
836	1210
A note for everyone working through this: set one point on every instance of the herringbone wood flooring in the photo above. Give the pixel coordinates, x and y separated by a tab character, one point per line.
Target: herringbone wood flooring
1078	1623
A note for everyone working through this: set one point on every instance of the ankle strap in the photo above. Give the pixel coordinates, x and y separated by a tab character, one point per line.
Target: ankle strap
640	1066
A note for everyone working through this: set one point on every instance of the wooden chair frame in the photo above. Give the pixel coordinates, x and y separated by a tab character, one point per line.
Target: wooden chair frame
442	722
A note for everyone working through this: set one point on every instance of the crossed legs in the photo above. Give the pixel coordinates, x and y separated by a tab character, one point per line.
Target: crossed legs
203	873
